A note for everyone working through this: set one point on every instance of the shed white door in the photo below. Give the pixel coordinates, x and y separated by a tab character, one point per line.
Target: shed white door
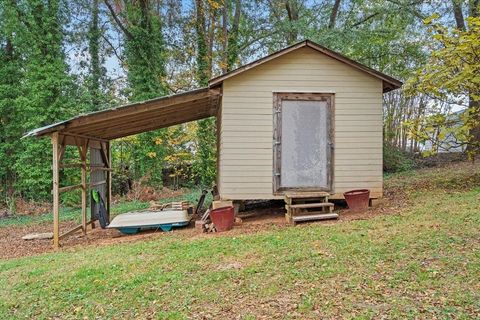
303	142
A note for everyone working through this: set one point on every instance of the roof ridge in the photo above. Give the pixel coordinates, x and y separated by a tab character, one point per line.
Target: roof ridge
389	83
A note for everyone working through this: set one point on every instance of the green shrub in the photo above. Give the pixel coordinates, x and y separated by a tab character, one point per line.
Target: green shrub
396	160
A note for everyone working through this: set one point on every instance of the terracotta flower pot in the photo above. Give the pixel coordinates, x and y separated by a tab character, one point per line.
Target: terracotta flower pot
357	200
223	218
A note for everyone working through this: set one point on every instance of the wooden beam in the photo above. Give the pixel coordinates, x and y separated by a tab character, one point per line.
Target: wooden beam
98	183
55	191
61	147
70	165
104	154
83	157
146	106
83	136
135	118
79	227
99	166
92	144
155	126
148	126
69	188
163	118
218	124
109	180
99	169
66	233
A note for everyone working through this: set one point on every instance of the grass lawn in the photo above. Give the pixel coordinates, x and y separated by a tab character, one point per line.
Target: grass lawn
423	262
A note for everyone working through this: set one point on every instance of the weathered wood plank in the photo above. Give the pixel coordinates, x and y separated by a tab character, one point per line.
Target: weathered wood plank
70	188
313	217
55	190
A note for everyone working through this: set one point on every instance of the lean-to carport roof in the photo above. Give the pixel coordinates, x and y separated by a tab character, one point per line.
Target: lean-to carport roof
389	83
138	117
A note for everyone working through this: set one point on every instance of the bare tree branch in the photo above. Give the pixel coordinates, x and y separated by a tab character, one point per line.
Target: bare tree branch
127	33
115	52
364	20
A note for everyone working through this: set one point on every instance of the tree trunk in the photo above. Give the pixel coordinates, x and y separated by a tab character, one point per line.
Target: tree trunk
224	65
334	14
206	132
474	8
210	41
233	37
292	11
94	46
473	147
202	59
457	12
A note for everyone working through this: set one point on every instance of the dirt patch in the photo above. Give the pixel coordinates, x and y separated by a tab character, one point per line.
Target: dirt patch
13	246
29	207
230	266
141	192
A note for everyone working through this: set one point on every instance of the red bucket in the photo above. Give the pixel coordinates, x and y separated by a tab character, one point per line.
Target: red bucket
223	218
357	199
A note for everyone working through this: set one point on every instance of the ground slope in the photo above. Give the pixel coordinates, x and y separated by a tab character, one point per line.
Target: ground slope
420	261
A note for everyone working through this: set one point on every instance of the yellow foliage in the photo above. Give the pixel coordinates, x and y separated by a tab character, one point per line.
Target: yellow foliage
215	5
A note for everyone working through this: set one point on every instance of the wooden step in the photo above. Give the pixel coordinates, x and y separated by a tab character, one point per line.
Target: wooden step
311	205
313	217
305	195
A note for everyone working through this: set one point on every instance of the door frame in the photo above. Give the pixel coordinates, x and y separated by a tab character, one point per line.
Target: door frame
278	97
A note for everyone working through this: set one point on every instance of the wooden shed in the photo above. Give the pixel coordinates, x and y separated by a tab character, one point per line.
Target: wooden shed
304	119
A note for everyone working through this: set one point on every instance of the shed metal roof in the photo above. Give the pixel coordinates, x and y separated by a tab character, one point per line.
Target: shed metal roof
138	117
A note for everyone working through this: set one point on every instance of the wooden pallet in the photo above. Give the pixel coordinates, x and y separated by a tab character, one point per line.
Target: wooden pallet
300	207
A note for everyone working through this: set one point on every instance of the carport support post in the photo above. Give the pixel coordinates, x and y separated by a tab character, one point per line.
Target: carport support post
109	180
55	191
83	156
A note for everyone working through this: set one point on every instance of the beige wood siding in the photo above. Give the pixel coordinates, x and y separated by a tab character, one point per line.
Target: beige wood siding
246	133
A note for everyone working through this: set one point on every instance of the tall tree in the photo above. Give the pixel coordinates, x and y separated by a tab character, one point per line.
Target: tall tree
452	73
230	33
141	26
206	14
50	92
96	72
334	14
10	77
217	37
145	58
